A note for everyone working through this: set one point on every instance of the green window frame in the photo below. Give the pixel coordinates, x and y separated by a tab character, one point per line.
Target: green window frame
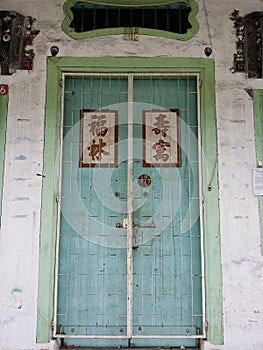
142	31
212	251
3	120
258	125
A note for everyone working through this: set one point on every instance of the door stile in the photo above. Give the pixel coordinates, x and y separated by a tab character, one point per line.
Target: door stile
58	199
201	159
130	207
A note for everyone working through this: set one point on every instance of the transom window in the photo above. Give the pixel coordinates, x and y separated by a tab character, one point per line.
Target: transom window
170	17
175	19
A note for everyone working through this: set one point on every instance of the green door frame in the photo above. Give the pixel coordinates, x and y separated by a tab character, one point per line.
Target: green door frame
212	247
258	125
3	117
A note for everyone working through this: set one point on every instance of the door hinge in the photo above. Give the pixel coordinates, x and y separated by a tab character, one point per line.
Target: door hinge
57	198
200	84
206	325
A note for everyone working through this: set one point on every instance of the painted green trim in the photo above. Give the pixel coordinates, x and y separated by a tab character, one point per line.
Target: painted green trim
3	117
49	205
258	125
212	239
119	31
213	275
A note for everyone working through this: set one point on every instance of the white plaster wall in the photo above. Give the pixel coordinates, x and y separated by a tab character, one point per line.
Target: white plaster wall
242	262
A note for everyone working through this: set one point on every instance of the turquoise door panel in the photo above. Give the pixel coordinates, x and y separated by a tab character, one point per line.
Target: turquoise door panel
93	296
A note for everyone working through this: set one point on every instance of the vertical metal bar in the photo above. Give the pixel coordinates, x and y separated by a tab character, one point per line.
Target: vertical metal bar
94	17
180	20
82	18
119	17
107	17
167	19
130	206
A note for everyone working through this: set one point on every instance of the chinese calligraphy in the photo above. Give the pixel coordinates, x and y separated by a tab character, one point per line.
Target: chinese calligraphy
162	126
97	126
160	148
161	138
96	149
99	136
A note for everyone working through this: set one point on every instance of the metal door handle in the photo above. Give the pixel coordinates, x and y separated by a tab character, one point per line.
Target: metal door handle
134	237
152	224
120	225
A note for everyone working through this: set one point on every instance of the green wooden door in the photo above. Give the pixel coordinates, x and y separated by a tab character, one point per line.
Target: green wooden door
129	269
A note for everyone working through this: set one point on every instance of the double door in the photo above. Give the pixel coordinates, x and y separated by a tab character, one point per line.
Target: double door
129	262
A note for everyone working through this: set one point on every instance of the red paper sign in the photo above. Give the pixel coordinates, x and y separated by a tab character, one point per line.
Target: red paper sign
3	89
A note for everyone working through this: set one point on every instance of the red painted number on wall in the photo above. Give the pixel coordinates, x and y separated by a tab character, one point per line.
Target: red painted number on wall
3	89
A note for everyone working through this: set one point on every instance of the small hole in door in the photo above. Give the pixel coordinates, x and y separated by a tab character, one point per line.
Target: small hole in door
144	180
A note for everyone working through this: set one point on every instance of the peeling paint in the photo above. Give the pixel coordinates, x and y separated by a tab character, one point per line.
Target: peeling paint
16	290
239	261
238	147
7	321
20	178
21	199
21	157
257	265
22	138
21	216
23	119
237	121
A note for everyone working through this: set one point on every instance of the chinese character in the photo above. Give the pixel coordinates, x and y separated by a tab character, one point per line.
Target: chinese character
161	124
97	126
96	149
160	148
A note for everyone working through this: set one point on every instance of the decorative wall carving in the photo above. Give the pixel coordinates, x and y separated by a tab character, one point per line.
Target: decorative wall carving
249	32
16	39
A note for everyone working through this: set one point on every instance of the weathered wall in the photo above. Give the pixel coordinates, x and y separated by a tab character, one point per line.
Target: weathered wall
242	263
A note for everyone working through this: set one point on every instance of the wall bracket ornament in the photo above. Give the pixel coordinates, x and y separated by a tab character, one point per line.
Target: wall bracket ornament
249	33
16	39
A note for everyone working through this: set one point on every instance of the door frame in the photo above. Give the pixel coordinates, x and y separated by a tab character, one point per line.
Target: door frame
130	78
3	121
56	66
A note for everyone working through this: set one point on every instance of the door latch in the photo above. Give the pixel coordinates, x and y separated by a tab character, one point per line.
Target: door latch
135	227
135	236
124	224
135	232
